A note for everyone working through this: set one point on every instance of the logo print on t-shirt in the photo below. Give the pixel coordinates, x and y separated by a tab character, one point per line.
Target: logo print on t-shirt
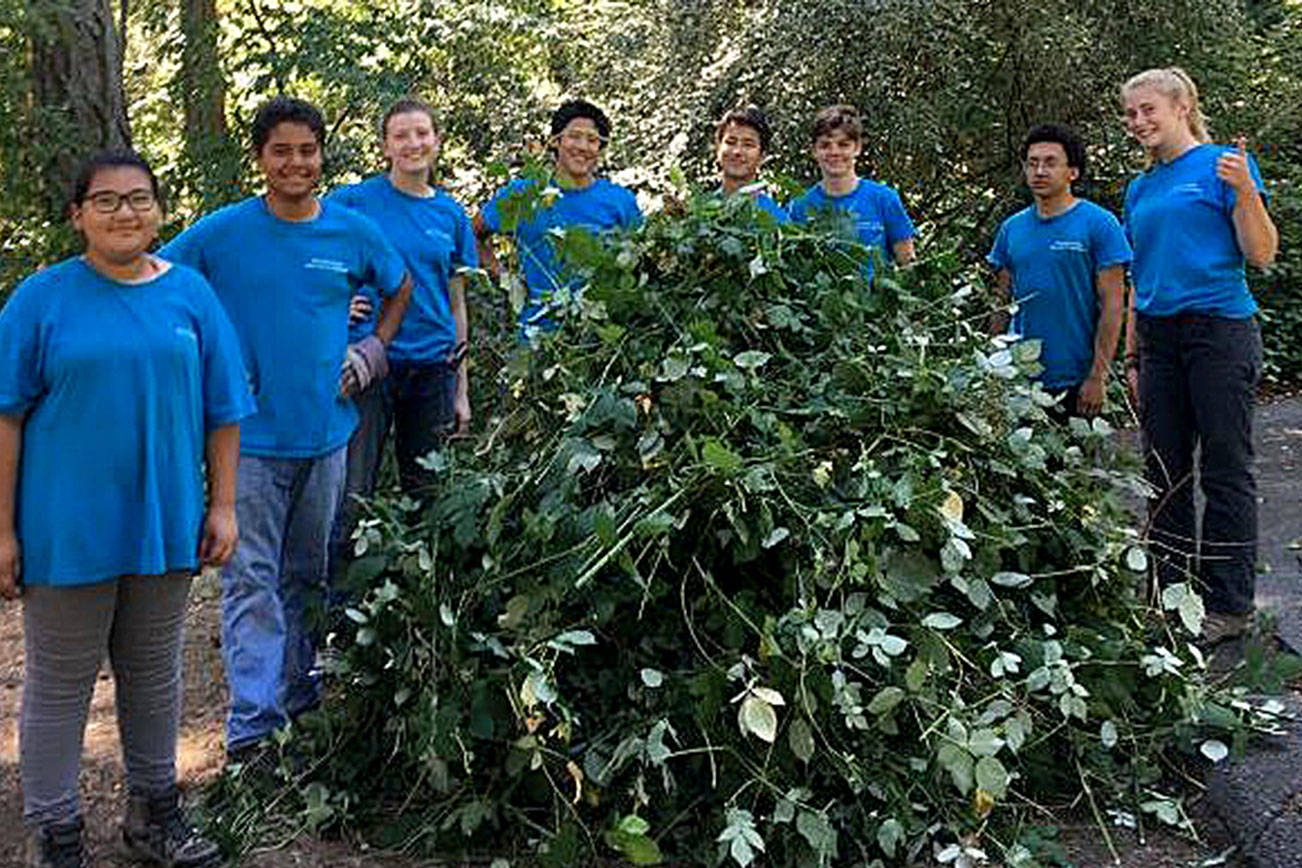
1070	246
320	264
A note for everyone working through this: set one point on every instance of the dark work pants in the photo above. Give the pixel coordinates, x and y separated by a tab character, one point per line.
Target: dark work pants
417	401
1197	378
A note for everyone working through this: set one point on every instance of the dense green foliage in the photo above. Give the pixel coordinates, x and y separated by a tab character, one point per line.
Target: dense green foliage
753	556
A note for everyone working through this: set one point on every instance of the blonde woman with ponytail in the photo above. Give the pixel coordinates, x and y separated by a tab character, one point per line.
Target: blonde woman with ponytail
1193	351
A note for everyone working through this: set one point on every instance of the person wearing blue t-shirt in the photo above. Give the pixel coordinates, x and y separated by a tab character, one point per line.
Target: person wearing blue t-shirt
425	395
741	139
120	382
1193	350
856	208
285	266
575	199
1063	261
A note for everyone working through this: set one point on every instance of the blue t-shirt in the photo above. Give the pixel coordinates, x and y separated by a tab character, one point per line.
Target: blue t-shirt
872	214
120	384
435	239
1187	257
1053	263
286	286
598	208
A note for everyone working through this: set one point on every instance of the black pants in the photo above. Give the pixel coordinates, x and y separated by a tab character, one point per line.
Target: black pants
417	400
1197	378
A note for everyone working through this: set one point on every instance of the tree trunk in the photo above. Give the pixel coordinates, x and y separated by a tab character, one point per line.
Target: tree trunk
76	62
214	159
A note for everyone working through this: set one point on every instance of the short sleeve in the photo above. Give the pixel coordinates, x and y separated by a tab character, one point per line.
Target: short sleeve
226	395
896	220
632	214
998	255
21	350
466	254
491	213
1128	211
1110	247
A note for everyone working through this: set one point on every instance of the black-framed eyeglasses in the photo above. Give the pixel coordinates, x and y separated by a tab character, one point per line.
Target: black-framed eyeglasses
109	201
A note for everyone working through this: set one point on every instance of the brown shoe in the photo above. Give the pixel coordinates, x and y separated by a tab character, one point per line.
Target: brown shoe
1221	626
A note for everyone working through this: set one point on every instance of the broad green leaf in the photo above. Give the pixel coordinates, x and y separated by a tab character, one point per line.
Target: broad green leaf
721	457
1011	580
751	359
893	645
758	718
959	763
885	700
889	836
916	675
818	832
1015	732
1192	613
941	621
800	738
991	776
985	742
638	849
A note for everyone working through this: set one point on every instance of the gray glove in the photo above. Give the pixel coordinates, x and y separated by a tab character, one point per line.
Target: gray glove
365	363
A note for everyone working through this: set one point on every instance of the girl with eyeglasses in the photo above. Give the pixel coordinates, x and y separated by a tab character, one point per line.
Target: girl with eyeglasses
121	389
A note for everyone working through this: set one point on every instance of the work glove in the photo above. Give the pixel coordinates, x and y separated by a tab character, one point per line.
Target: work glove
364	363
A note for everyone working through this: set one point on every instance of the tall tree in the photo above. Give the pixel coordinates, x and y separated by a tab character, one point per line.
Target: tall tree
213	158
79	106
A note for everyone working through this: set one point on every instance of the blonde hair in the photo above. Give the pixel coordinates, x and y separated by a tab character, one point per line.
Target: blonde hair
1175	84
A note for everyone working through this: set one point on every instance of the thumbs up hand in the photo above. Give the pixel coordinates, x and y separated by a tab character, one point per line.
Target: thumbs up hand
1232	167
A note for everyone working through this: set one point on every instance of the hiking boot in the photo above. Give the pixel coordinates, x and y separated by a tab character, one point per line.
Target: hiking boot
57	845
156	831
1219	627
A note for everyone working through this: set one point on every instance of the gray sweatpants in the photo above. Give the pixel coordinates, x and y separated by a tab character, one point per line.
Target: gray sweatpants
139	621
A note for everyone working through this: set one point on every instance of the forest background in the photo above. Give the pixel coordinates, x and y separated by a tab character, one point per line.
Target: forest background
947	89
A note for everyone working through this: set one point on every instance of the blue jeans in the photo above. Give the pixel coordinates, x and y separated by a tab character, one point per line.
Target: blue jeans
285	508
417	400
1197	378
